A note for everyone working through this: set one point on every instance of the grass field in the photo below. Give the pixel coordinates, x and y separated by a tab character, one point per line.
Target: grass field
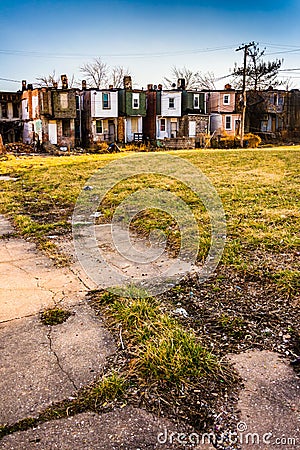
259	190
251	302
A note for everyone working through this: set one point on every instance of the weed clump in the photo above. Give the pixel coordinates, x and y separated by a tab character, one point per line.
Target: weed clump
161	349
55	316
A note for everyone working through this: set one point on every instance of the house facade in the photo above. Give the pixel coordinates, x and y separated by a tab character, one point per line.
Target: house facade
49	115
223	111
194	122
98	109
179	117
11	125
132	110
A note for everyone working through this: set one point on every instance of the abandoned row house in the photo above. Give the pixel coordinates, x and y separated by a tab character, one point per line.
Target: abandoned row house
83	117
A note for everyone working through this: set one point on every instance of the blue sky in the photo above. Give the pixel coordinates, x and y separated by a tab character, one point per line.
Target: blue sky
147	37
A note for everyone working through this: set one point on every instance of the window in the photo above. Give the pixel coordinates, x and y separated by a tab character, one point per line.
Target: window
196	101
106	100
66	127
64	101
15	110
227	122
99	126
3	107
226	99
162	124
135	101
171	102
77	102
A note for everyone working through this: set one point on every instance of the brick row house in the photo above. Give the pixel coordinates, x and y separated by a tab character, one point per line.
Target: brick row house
11	125
69	117
49	115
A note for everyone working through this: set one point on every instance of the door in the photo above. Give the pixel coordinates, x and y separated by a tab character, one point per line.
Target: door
192	129
111	130
173	129
52	129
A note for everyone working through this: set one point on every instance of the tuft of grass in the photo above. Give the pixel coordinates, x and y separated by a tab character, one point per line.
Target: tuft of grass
110	388
233	326
161	349
175	356
55	316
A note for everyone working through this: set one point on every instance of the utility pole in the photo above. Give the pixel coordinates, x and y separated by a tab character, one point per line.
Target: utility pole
244	93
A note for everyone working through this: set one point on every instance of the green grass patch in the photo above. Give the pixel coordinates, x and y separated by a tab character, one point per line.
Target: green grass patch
55	316
259	189
161	349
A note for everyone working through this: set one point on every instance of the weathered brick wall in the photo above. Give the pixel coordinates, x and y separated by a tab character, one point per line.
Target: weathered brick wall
178	143
149	122
59	111
121	129
68	141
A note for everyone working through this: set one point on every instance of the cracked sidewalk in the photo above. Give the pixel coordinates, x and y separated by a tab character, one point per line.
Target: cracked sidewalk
29	281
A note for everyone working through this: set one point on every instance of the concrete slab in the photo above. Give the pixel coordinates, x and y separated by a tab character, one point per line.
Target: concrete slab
5	226
270	402
126	429
30	282
43	364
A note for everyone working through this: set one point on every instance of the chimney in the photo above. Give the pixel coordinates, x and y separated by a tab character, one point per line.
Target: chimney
64	81
83	85
150	87
111	86
55	84
181	83
227	86
159	87
127	82
23	85
29	87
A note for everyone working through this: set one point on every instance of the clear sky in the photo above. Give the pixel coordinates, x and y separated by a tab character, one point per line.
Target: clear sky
148	37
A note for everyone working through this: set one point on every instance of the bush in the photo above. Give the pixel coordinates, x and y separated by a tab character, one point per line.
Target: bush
226	141
251	140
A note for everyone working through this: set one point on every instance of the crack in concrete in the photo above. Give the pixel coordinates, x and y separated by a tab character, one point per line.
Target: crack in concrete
79	278
17	318
58	361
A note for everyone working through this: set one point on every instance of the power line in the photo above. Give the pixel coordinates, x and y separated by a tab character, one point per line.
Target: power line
38	54
7	79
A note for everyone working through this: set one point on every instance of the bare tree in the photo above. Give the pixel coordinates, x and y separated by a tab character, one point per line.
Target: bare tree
259	73
206	80
96	73
193	80
176	73
47	80
117	76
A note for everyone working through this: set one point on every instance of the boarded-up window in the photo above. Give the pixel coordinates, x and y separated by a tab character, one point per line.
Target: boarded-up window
134	125
64	101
